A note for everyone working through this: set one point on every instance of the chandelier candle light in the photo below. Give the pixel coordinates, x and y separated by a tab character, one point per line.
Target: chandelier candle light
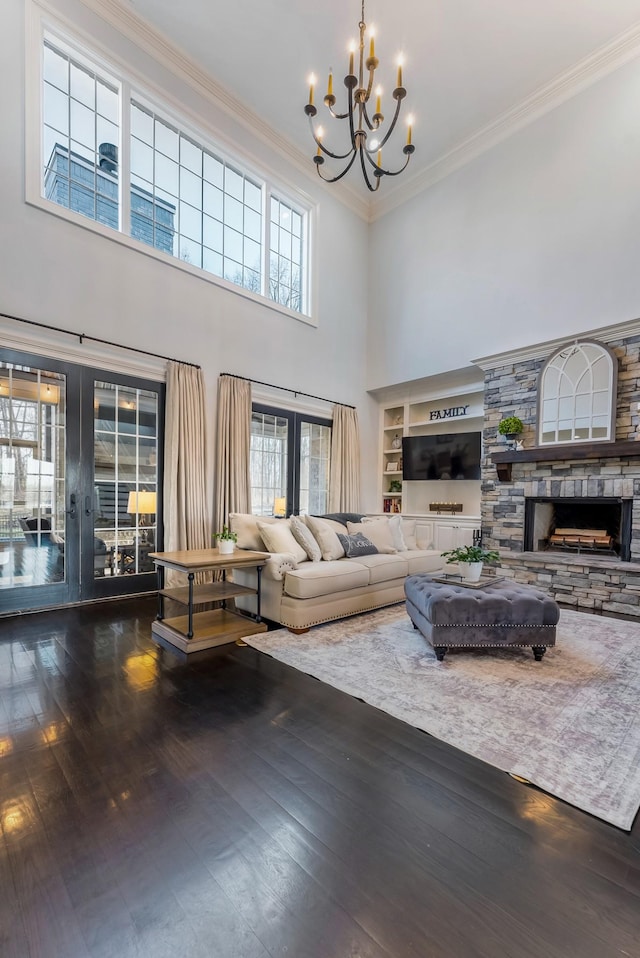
360	123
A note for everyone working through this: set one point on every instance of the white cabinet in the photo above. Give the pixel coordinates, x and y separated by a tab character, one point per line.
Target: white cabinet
452	533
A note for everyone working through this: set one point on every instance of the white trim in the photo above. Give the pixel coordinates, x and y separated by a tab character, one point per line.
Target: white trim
291	401
608	334
63	346
133	85
567	84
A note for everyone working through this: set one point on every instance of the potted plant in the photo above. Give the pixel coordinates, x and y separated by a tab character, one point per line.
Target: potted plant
395	485
510	427
226	540
470	560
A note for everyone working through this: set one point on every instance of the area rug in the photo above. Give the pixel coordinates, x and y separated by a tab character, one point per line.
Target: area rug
569	724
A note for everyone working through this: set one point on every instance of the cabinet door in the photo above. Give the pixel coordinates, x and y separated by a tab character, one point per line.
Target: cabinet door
445	536
425	534
464	535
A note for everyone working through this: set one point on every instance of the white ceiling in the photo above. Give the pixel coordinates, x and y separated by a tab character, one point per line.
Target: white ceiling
466	61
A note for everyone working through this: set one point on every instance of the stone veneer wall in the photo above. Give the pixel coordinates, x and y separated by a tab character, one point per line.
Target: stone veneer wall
599	583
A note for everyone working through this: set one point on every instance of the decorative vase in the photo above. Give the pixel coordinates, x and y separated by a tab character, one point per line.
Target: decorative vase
396	442
474	571
463	569
226	546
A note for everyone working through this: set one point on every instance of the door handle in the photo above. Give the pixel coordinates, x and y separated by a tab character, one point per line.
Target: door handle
72	511
87	506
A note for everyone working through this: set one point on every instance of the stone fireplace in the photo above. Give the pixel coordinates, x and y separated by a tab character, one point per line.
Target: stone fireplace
530	494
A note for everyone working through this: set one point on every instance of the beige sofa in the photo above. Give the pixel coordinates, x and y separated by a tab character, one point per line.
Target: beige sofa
299	593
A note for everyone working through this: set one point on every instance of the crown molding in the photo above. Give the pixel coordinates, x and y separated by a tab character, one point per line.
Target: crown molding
591	68
572	81
165	52
606	334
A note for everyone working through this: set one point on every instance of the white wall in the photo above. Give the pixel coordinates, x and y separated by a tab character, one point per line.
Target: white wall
58	273
535	239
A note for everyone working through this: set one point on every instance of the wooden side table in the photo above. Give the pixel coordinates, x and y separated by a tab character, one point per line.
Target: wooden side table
204	630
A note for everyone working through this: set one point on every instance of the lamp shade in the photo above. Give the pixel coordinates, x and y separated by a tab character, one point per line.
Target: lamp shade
280	506
142	503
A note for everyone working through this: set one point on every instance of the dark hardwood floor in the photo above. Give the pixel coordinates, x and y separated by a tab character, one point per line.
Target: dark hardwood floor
236	808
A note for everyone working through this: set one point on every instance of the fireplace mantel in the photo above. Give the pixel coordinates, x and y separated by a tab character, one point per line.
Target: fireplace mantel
570	452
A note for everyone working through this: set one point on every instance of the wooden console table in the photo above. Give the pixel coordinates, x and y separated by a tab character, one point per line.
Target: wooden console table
204	630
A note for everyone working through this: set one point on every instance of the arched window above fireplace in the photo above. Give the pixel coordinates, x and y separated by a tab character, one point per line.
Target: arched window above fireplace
577	394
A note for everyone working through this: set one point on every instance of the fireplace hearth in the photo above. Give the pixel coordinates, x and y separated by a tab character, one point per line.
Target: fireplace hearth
600	526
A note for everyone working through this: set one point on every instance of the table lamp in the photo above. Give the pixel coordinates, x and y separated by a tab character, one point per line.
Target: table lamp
280	507
142	504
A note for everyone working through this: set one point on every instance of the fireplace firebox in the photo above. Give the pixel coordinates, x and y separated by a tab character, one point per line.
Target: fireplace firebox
581	525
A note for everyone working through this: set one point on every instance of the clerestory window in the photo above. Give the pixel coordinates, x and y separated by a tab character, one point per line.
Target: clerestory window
577	394
169	188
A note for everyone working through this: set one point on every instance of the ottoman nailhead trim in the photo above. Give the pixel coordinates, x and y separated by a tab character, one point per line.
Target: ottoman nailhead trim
486	625
486	645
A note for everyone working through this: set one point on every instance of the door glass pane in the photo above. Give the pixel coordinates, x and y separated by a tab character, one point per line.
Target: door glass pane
268	458
32	478
315	442
126	479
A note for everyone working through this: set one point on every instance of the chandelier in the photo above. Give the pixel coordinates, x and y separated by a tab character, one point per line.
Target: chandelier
360	122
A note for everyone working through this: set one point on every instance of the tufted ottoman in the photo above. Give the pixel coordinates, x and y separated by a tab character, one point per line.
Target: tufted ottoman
506	614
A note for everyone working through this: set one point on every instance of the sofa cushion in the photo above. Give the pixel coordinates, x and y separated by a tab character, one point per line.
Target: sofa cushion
423	560
278	537
246	528
356	544
384	567
325	578
305	537
378	530
327	539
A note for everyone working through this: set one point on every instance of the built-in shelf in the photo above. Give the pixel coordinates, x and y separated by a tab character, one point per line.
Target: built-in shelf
504	461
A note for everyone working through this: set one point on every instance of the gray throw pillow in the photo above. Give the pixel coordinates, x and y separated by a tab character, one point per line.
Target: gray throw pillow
357	545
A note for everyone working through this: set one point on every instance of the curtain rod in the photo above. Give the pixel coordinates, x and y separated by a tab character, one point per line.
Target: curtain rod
296	392
95	339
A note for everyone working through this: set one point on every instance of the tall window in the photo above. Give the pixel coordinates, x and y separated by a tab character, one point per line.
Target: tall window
577	394
290	459
185	198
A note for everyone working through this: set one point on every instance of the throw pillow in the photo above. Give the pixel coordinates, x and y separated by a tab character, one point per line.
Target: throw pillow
357	544
409	532
327	539
304	537
246	528
395	525
278	537
378	531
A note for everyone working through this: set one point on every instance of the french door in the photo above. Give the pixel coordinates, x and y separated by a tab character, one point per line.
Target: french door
289	462
80	482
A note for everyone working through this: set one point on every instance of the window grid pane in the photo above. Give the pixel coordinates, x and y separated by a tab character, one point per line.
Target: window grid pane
268	462
285	255
198	207
80	138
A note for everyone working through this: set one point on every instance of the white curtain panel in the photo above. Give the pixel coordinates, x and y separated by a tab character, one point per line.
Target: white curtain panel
233	444
187	517
344	477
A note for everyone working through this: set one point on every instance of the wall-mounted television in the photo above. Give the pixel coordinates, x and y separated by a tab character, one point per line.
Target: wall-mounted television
453	455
